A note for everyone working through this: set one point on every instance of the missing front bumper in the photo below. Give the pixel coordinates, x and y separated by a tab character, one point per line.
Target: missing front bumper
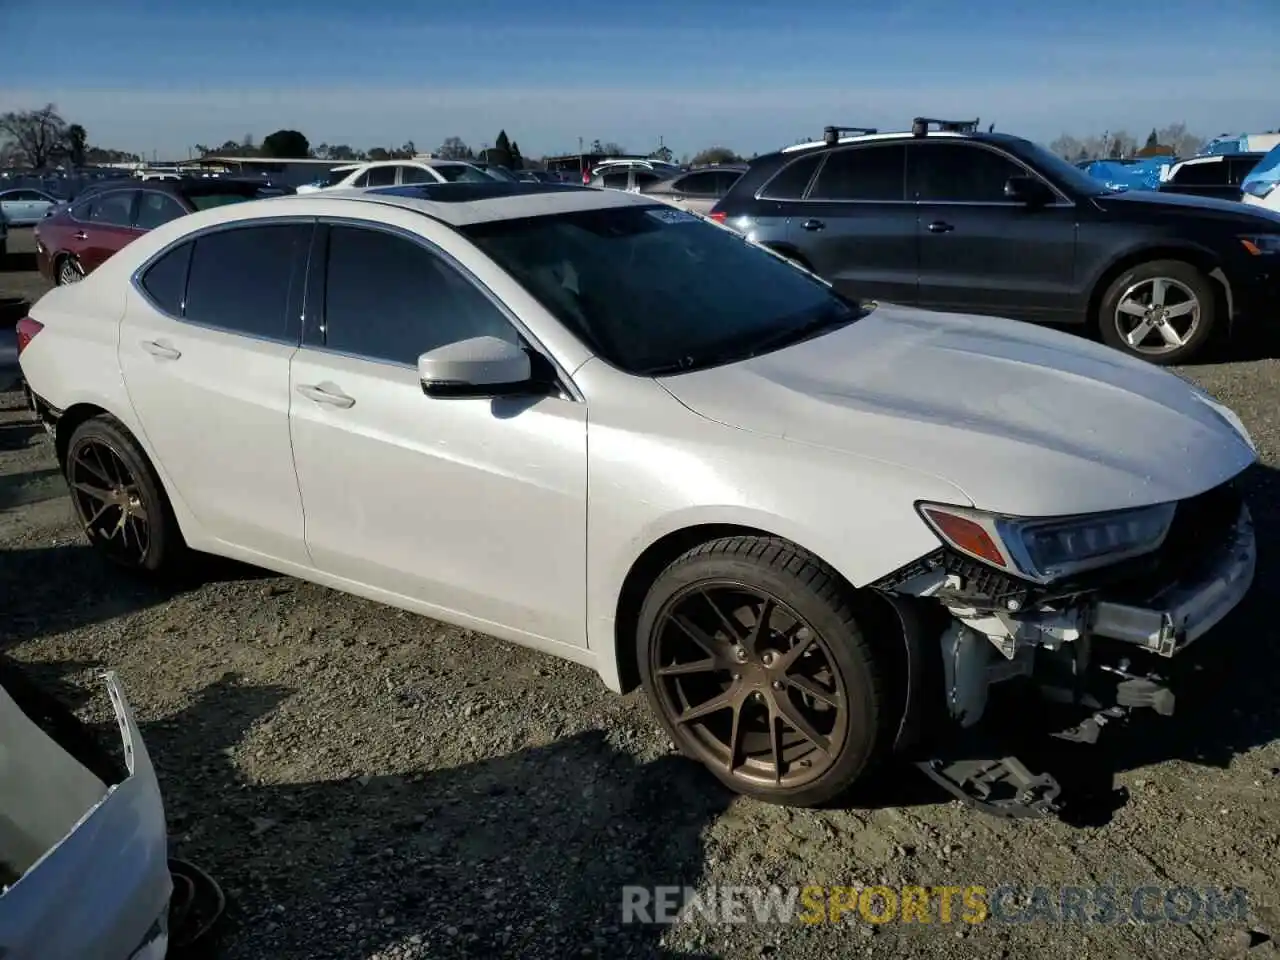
1181	613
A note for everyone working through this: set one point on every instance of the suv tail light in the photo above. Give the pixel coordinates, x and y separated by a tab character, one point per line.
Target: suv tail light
718	216
26	330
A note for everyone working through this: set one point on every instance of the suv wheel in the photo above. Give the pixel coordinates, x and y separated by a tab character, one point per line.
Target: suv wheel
1163	311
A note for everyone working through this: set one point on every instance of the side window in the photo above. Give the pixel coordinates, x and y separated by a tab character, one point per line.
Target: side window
362	180
862	173
1241	167
697	185
113	209
615	179
155	209
724	181
388	298
791	181
240	278
82	210
166	280
1202	174
646	178
415	175
382	176
960	173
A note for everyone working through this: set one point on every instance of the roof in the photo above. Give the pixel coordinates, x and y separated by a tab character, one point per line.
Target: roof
460	204
903	135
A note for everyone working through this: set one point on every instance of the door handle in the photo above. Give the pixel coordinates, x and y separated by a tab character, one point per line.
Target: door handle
81	235
812	225
161	350
940	226
334	397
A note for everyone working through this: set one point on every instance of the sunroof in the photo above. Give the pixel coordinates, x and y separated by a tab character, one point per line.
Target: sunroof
464	192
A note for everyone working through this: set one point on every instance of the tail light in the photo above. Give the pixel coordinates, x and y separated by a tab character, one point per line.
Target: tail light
26	330
718	216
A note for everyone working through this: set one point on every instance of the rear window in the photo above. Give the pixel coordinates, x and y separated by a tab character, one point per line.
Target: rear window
462	173
791	181
220	198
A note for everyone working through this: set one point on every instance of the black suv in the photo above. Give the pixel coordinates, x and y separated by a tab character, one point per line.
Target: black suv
951	218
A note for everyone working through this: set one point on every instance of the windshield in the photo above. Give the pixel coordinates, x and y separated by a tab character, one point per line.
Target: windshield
1062	172
655	290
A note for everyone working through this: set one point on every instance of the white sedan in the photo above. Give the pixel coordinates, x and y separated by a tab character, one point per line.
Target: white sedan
814	530
389	173
23	207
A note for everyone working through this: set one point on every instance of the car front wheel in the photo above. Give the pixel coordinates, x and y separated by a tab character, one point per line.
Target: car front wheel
752	658
1162	311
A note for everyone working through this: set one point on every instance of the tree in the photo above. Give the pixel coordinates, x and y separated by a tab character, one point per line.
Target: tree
76	144
715	155
37	134
379	153
285	144
517	161
454	149
1153	138
500	153
663	153
612	148
1184	142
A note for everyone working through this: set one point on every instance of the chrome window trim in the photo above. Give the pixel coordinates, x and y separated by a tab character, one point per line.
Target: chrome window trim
569	390
135	279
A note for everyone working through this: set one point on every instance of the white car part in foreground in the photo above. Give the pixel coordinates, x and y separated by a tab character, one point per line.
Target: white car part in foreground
90	859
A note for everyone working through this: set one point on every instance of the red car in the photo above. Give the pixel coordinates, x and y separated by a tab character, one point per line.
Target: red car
76	239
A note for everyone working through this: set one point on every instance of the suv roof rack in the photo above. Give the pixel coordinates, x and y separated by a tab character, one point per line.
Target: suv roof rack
920	126
831	135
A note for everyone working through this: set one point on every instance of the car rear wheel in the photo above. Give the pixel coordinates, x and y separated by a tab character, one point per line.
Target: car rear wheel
1162	311
119	500
752	658
69	271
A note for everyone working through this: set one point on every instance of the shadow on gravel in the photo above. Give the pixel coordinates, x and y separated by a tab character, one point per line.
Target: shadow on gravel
17	435
519	856
18	263
51	590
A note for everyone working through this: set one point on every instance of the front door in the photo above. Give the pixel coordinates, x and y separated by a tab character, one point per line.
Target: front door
982	253
855	225
472	506
205	355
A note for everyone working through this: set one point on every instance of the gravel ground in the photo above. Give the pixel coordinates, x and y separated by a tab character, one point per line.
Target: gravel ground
367	783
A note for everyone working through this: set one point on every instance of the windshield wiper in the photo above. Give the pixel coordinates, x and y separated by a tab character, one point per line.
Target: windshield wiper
806	331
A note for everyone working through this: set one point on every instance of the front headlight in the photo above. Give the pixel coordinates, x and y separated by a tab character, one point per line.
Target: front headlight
1047	549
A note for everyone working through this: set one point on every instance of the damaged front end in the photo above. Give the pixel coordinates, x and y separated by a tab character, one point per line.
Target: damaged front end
83	864
1086	612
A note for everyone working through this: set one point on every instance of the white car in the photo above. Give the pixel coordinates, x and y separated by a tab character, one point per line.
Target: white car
1261	187
814	530
390	173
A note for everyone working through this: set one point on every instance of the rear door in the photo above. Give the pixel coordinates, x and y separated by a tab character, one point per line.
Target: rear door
108	227
205	347
155	208
982	253
856	226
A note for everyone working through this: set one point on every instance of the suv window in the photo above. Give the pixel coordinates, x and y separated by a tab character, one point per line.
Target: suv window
240	278
362	180
388	298
416	175
382	176
697	184
615	179
862	173
1240	167
1212	173
113	209
791	181
725	179
155	209
960	173
166	280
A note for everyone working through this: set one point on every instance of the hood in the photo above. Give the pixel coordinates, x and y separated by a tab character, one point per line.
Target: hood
1024	420
1183	204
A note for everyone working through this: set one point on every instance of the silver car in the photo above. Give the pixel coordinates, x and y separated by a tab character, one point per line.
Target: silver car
698	190
25	206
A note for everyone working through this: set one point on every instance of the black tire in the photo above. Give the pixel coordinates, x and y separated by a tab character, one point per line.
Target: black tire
813	590
166	551
1182	275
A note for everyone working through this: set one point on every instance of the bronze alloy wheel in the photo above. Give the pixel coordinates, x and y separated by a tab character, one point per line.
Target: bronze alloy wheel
752	684
109	501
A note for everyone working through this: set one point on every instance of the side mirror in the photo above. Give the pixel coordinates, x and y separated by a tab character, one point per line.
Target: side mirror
1029	190
477	367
